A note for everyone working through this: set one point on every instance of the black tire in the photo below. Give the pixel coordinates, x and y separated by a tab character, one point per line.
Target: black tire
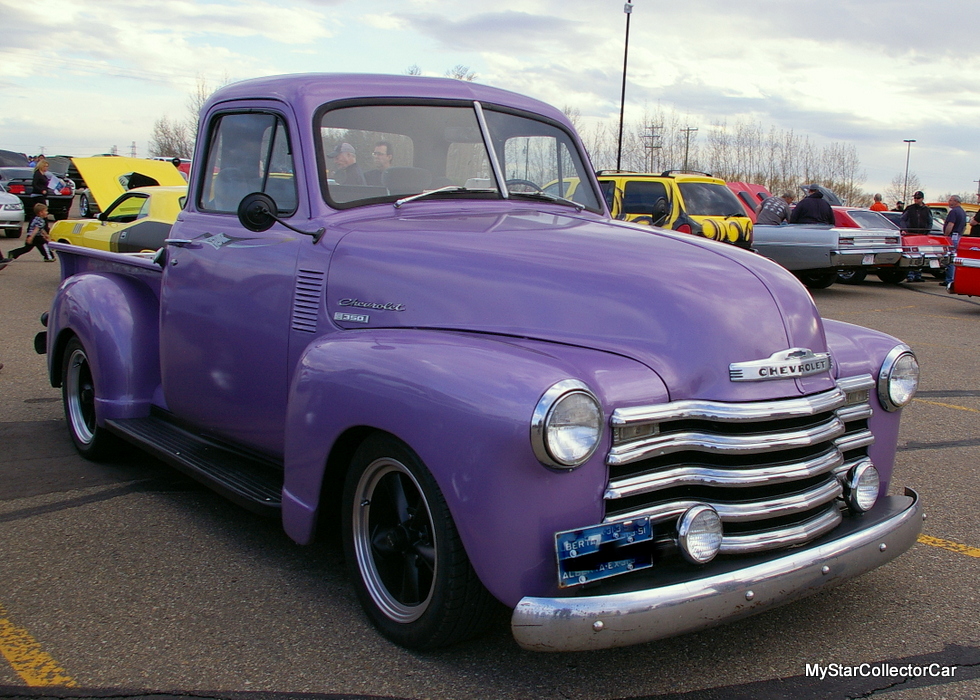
851	276
408	565
78	395
893	276
818	280
12	233
84	207
939	273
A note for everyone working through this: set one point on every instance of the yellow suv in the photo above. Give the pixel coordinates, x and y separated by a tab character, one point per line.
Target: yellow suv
685	201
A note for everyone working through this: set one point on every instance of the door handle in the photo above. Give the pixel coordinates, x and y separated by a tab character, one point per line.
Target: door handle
178	242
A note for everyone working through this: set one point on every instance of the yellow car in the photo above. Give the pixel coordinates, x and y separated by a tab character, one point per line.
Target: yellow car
132	220
688	202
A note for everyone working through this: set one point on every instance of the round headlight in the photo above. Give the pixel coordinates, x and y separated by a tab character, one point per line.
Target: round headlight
566	426
899	378
699	534
863	485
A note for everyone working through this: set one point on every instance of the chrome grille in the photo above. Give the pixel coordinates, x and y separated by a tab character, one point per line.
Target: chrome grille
769	468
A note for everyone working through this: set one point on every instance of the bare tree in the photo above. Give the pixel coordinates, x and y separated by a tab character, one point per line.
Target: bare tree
413	70
171	138
460	72
895	192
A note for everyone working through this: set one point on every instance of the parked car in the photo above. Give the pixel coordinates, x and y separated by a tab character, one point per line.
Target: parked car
19	181
912	257
685	201
619	432
966	276
138	221
11	214
750	195
819	254
108	177
932	252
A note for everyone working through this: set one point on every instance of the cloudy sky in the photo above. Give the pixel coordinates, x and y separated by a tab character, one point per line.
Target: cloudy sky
79	76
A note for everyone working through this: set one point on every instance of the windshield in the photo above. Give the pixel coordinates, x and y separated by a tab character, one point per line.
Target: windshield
870	219
385	152
710	199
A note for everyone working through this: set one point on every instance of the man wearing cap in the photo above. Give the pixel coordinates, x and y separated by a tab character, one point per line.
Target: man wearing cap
917	220
346	171
812	209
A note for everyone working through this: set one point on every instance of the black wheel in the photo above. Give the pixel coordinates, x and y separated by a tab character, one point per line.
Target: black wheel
851	276
84	207
410	570
78	394
522	185
892	276
818	280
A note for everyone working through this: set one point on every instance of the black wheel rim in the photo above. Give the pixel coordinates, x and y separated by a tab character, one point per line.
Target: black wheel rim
394	540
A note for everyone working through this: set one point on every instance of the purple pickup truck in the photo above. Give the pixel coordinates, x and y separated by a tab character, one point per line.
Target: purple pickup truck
372	318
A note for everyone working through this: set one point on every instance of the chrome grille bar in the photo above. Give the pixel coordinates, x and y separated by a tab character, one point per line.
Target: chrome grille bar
783	537
730	444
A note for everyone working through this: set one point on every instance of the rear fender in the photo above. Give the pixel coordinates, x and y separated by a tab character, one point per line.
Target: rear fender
116	318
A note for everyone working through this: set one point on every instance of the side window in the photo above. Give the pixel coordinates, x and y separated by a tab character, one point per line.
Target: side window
127	209
640	196
248	153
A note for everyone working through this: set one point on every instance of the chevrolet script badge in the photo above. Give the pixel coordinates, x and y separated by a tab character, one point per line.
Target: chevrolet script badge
785	364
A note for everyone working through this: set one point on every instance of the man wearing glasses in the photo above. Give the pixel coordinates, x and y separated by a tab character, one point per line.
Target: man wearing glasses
382	156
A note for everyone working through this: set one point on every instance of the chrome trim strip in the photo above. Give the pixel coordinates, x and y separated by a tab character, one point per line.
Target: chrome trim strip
966	262
687	475
862	438
784	537
842	471
730	412
861	381
856	412
606	621
498	172
748	511
725	444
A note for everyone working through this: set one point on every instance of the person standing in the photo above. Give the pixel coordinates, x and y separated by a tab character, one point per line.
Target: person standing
347	172
953	227
812	209
382	155
917	220
775	210
878	205
40	185
37	236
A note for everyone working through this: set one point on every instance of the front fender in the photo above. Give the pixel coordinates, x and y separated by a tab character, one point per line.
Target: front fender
464	404
116	318
857	350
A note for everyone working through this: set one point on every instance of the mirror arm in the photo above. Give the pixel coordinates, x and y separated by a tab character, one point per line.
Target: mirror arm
316	235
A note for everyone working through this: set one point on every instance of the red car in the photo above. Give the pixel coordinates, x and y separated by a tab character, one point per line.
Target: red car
966	279
750	195
931	252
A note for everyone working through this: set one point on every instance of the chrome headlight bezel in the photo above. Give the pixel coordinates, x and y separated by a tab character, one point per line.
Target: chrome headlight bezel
543	437
862	487
899	366
699	534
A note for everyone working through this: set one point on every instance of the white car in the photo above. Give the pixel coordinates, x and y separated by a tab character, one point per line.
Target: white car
11	214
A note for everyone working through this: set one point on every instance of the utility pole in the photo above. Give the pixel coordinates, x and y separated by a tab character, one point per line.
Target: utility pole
687	143
132	150
652	142
908	152
628	9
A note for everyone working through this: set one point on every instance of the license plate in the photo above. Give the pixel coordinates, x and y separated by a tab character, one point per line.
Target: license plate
934	263
868	259
601	551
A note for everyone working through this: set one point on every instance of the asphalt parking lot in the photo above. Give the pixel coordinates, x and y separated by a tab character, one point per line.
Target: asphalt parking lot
127	579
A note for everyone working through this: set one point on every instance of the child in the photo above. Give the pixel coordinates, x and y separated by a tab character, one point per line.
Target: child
37	235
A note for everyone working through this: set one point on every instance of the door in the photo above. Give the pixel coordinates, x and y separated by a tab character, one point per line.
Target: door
227	292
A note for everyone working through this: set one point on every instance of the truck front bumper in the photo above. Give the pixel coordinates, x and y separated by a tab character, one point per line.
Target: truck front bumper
724	593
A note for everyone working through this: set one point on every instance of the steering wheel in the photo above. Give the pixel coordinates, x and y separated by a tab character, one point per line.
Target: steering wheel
517	182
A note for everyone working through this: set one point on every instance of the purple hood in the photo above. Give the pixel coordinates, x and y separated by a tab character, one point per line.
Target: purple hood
683	306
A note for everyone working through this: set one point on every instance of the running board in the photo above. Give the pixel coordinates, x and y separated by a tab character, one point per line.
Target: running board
250	481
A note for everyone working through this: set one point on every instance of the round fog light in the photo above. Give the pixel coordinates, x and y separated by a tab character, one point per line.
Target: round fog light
699	534
863	484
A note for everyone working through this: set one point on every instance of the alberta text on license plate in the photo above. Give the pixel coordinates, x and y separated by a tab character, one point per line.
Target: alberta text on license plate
601	551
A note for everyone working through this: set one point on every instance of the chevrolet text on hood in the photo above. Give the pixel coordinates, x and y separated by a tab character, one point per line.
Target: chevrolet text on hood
493	392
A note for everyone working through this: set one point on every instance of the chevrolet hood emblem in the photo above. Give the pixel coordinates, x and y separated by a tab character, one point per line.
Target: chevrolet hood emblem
785	364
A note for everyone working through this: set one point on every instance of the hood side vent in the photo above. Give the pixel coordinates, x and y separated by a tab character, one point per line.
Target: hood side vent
306	300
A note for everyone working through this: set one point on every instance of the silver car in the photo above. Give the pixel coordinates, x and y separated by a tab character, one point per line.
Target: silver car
11	214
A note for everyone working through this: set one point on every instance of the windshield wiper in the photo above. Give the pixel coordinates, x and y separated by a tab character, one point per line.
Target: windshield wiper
441	190
549	198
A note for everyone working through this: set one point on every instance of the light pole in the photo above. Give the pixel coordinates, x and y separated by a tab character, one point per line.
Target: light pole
908	152
687	142
628	9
